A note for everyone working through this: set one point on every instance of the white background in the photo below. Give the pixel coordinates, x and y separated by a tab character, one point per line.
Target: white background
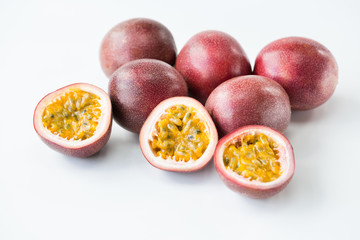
116	194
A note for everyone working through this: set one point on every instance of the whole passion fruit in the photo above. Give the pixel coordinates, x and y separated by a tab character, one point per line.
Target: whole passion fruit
249	100
208	59
138	86
178	135
306	69
74	120
256	161
135	39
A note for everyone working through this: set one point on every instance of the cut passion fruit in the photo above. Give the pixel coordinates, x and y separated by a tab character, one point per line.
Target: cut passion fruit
179	135
256	161
75	120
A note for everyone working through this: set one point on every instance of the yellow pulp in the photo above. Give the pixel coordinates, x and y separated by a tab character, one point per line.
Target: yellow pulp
254	157
180	135
74	115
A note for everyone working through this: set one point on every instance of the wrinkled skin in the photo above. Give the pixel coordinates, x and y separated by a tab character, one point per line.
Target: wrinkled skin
249	100
305	68
137	87
136	39
208	59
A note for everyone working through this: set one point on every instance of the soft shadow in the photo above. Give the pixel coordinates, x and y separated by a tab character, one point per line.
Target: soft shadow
191	178
301	191
120	149
332	108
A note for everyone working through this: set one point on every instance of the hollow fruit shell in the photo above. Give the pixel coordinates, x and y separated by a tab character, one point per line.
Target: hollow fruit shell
83	148
256	189
172	165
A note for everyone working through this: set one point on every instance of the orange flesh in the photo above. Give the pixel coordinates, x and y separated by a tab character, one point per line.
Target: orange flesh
180	135
74	115
254	157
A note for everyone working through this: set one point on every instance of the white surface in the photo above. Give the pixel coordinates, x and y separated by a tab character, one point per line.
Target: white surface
117	194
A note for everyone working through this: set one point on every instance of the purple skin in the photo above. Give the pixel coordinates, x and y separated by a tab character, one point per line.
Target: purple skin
249	100
136	39
83	152
208	59
252	193
306	69
137	87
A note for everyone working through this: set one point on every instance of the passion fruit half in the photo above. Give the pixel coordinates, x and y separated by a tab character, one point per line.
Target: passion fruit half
179	135
256	161
75	120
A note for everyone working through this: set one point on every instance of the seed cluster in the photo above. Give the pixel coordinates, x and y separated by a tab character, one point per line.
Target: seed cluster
254	157
74	115
180	135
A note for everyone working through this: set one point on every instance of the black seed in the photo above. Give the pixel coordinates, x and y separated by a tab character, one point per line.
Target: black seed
197	131
191	137
52	115
84	111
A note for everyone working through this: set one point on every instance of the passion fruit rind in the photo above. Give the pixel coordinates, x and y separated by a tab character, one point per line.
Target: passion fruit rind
173	161
75	148
250	187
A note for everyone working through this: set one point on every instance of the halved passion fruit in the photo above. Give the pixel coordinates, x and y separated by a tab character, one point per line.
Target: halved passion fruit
256	161
179	135
74	120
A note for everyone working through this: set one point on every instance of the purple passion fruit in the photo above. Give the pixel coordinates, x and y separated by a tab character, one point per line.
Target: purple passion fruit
306	69
208	59
74	120
178	135
256	161
138	86
136	39
249	100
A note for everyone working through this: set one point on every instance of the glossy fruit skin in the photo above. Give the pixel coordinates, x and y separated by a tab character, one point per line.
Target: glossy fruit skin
93	144
254	189
208	59
249	100
168	165
306	69
138	86
136	39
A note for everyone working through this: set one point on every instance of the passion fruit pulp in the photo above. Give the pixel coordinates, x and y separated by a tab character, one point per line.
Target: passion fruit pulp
179	135
75	120
256	161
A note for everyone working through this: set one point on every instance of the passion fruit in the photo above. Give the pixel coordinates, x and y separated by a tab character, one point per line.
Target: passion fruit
249	100
256	161
306	69
179	135
138	86
74	120
208	59
136	39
